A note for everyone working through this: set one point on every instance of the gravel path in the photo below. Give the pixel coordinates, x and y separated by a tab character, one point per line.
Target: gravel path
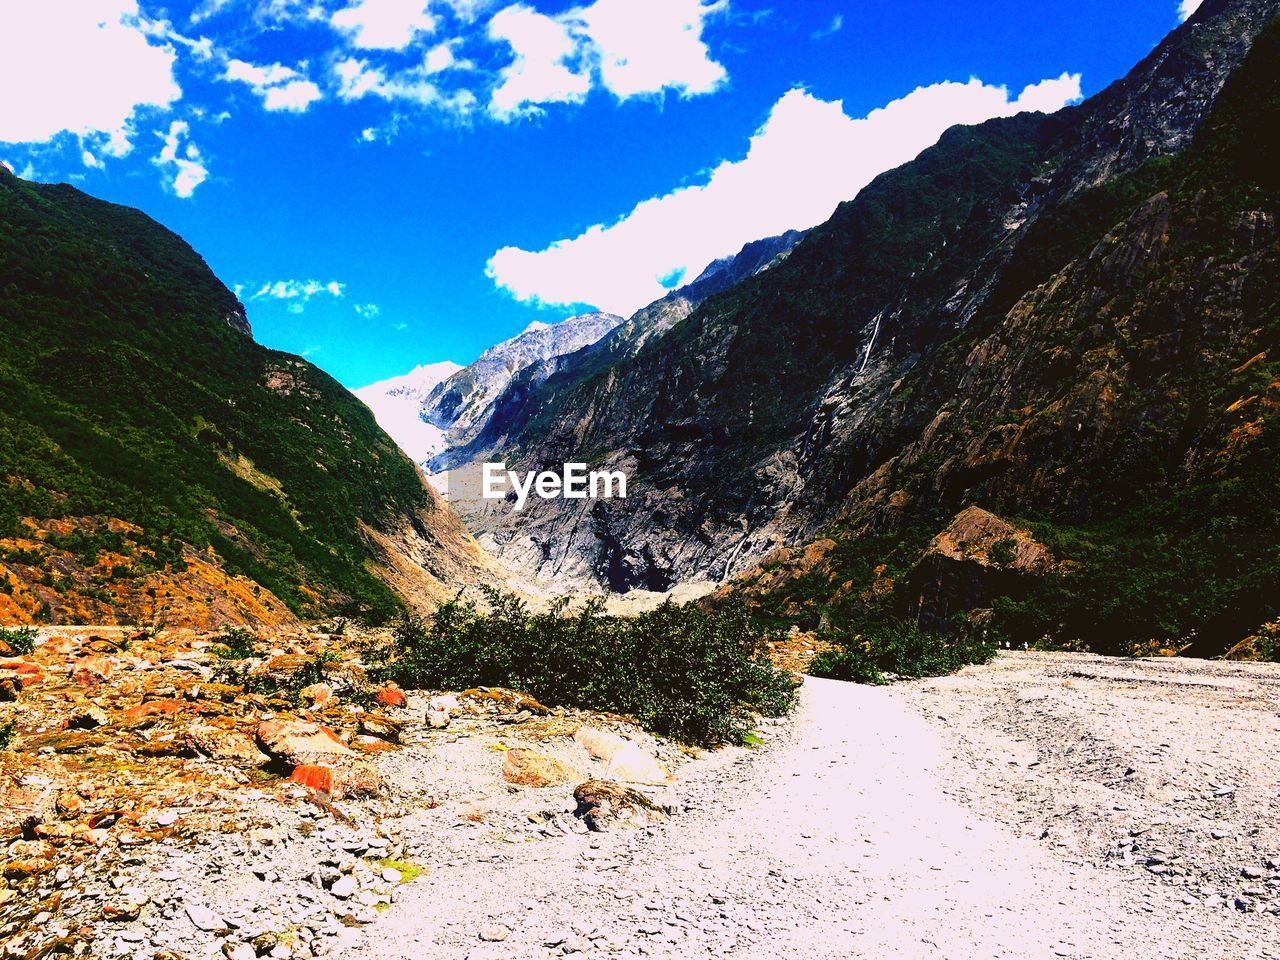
841	838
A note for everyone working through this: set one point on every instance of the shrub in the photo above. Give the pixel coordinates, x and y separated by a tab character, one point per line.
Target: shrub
901	648
679	671
236	643
8	730
21	640
1003	552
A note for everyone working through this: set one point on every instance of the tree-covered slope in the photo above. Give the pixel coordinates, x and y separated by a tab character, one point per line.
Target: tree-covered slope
131	391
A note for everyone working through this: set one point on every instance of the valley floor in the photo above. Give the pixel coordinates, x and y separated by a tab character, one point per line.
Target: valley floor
1043	805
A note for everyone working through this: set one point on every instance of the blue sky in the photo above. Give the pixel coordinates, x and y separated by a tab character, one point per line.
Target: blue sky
395	182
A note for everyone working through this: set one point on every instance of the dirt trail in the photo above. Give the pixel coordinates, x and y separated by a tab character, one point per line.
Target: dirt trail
841	838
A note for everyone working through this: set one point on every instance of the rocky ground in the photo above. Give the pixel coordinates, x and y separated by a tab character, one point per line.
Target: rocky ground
1042	805
160	799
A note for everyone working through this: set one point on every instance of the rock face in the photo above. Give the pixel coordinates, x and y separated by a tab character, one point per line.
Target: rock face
162	468
519	419
1045	315
977	558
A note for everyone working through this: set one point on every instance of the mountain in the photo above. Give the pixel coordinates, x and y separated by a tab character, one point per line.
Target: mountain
514	413
160	467
463	405
1065	319
397	406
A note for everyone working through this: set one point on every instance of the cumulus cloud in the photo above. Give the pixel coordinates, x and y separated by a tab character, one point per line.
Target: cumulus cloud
384	24
85	68
1187	7
542	47
368	310
806	158
298	293
280	87
180	159
439	59
636	47
646	46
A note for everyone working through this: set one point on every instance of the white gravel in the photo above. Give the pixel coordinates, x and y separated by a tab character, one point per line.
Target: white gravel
869	827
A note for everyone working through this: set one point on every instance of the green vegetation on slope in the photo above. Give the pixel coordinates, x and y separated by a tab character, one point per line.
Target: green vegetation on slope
129	388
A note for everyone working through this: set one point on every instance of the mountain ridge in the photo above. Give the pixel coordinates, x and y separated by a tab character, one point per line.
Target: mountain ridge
152	454
727	466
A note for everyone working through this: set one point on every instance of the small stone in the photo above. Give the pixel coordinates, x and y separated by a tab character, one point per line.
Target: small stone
167	819
238	951
204	918
392	875
344	887
494	933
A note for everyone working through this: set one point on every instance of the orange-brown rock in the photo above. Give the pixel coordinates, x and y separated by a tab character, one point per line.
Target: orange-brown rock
155	708
348	779
529	768
313	776
391	696
220	744
92	670
317	694
300	741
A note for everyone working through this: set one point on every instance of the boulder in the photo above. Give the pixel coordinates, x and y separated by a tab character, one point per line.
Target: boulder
220	744
92	670
318	758
376	725
605	805
317	694
529	768
623	759
301	741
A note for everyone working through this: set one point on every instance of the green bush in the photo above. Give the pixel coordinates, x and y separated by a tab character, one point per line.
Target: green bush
21	640
679	671
8	730
236	643
901	648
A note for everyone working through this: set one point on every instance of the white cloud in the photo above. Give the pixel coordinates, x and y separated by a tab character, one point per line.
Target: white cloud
1187	7
647	46
280	87
85	67
806	158
296	96
439	58
357	79
368	310
181	158
539	73
384	24
636	47
298	293
834	27
468	10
